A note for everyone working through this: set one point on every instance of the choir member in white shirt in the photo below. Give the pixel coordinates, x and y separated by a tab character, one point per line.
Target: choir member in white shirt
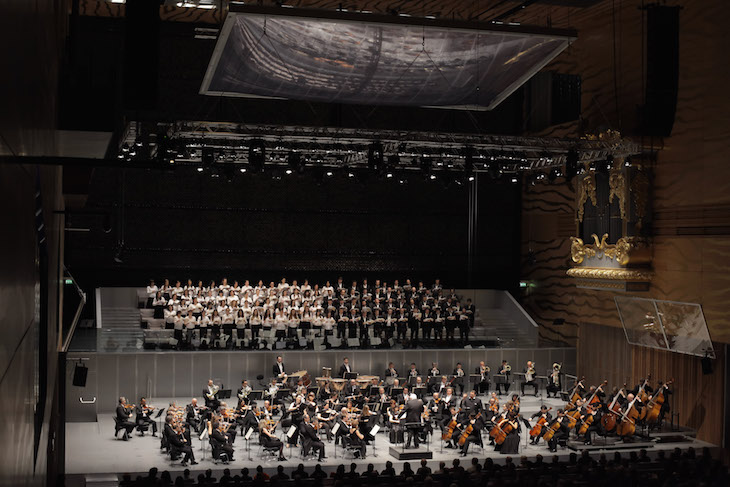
151	293
170	317
293	324
256	323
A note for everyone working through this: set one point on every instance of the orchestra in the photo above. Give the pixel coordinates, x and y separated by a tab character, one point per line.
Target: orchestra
350	412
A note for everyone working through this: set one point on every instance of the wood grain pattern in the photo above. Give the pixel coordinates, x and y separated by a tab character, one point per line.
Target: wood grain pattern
604	354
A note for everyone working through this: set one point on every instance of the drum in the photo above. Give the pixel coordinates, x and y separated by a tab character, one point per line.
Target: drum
338	384
322	381
362	382
327	372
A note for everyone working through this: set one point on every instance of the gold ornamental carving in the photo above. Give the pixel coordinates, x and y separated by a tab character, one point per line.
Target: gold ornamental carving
617	188
625	250
640	192
586	190
610	274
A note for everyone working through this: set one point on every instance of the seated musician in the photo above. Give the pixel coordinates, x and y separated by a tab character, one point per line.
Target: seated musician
483	381
395	413
243	393
368	420
246	417
352	389
143	415
357	439
492	409
192	414
434	370
326	418
295	413
436	409
562	432
511	443
325	392
404	396
342	421
530	378
178	442
269	440
543	412
504	370
269	410
124	416
390	373
477	424
220	438
211	396
449	398
458	379
595	426
310	440
451	417
412	373
227	418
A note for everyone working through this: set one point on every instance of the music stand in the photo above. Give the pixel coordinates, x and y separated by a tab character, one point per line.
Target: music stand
224	394
281	394
419	391
395	392
374	390
256	395
350	375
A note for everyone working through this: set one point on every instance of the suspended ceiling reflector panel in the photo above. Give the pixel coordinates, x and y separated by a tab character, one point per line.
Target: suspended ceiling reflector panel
375	60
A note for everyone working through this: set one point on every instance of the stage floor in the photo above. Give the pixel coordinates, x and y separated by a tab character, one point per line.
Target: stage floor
92	449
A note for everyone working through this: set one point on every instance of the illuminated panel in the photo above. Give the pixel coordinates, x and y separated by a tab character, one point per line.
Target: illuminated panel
371	63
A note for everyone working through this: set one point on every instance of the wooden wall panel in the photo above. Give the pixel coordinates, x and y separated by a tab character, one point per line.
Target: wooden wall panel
604	354
698	398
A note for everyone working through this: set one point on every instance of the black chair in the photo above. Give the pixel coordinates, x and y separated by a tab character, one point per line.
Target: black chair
118	427
218	454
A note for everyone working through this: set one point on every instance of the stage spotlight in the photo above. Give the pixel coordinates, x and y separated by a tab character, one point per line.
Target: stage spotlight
469	164
554	174
432	177
242	170
540	176
426	167
571	164
593	166
294	159
627	162
402	180
199	169
514	179
350	173
329	173
289	171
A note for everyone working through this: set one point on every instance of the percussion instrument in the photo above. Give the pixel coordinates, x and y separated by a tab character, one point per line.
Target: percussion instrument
322	381
338	384
327	372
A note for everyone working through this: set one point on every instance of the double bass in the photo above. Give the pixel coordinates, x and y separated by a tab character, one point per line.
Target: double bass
537	429
627	426
610	419
654	406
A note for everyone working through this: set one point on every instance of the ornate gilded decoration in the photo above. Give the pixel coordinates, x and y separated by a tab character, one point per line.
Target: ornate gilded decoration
586	189
617	187
611	274
640	192
625	250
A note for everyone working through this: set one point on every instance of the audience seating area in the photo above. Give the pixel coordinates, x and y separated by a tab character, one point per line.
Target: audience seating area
678	468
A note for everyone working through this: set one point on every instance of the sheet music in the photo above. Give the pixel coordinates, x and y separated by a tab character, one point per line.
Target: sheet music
291	431
336	428
248	434
375	429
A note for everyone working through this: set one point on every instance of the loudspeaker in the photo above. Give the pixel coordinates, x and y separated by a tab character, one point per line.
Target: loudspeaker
141	53
662	69
706	366
80	373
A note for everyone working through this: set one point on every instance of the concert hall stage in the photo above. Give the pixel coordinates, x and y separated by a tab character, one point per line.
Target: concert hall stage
92	449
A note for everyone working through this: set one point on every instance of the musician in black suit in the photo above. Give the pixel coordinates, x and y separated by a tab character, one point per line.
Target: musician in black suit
414	409
221	440
310	439
345	367
143	415
458	379
404	396
562	432
243	393
211	396
124	416
483	381
192	411
472	404
178	444
505	370
530	378
475	436
278	369
352	389
436	409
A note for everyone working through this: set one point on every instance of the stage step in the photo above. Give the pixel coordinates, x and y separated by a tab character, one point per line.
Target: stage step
410	454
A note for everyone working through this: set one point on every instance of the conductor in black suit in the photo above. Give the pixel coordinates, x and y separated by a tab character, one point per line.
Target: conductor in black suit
414	409
309	438
278	369
124	418
345	367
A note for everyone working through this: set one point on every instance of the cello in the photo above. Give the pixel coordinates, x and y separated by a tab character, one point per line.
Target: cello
609	419
553	428
449	430
504	428
655	404
467	431
537	429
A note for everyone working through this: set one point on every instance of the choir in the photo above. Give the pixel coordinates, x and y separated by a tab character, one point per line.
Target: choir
361	314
